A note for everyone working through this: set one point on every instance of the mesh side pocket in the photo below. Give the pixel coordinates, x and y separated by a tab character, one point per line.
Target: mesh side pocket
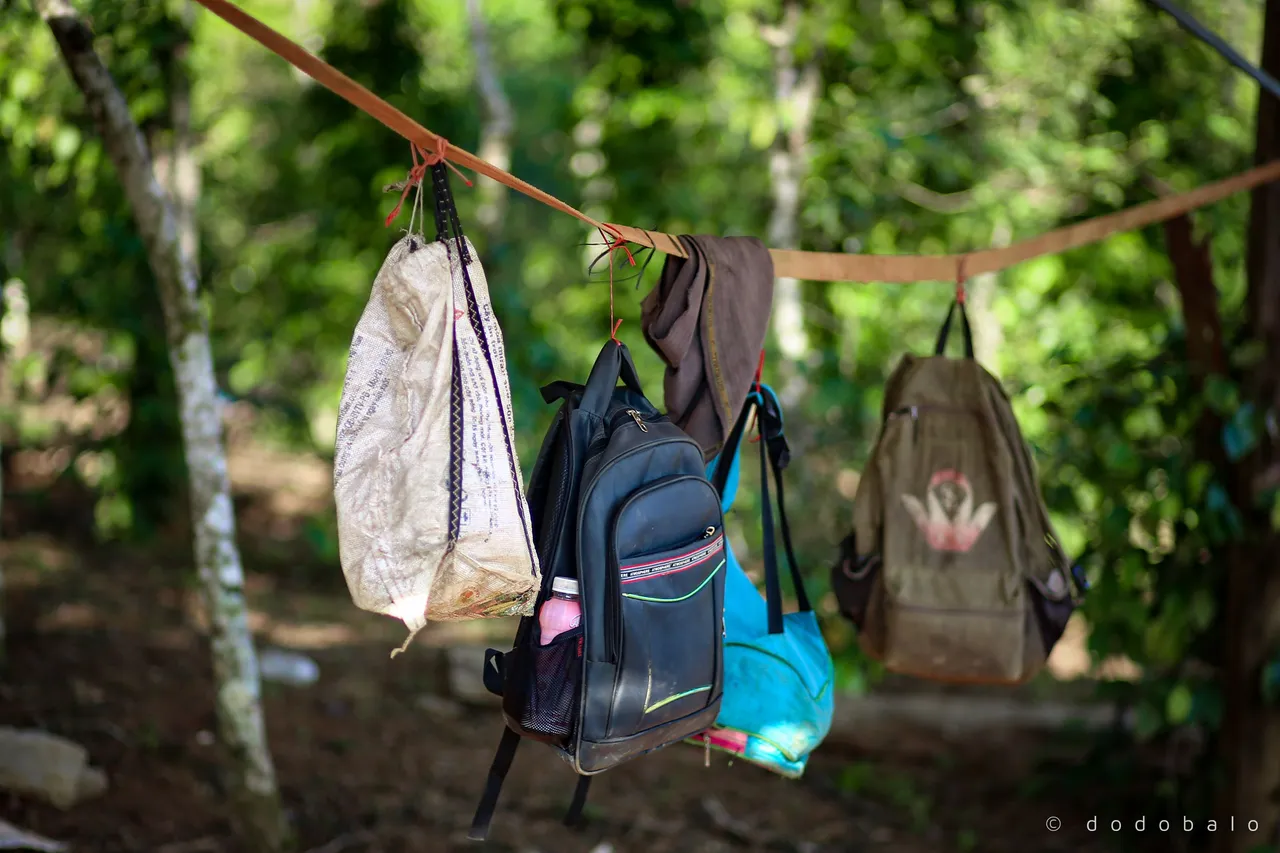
554	677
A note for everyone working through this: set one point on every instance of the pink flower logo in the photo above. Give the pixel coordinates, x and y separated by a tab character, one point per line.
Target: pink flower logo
950	522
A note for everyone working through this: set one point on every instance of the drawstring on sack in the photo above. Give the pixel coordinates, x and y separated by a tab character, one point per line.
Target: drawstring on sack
960	279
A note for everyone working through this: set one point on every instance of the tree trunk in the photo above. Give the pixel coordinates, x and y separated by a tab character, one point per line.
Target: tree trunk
15	344
980	306
173	265
1250	741
176	165
795	94
499	121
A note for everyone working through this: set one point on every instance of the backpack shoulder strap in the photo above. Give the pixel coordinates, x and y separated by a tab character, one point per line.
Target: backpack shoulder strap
502	759
1029	484
580	790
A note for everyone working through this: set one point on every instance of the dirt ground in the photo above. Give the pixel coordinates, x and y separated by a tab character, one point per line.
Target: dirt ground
105	648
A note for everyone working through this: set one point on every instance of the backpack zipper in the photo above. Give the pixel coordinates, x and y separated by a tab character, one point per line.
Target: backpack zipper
915	410
618	420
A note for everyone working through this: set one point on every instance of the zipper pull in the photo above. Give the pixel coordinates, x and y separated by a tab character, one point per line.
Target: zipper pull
708	533
635	416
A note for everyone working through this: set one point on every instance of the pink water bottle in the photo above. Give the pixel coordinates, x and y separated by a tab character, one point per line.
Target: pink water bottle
562	612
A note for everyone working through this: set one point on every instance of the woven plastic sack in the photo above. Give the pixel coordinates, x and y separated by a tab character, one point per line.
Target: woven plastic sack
432	518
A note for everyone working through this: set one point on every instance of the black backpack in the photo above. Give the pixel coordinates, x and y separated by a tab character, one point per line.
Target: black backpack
619	500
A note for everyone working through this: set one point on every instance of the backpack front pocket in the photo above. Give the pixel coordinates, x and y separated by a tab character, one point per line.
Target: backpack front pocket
669	605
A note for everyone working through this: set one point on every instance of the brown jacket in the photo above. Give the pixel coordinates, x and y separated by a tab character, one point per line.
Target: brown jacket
707	317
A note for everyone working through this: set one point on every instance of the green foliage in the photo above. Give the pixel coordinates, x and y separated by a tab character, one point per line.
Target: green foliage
945	125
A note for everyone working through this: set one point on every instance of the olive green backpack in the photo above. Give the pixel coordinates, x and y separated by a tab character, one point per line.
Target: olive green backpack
953	571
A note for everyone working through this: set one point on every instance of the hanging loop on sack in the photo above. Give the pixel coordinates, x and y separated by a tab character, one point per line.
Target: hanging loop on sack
447	214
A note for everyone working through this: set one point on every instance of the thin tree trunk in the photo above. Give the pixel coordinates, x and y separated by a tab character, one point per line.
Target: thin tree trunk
4	656
14	328
176	165
980	306
795	95
15	344
217	559
499	122
1250	741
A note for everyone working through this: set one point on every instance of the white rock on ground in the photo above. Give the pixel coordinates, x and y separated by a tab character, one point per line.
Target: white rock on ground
13	838
48	766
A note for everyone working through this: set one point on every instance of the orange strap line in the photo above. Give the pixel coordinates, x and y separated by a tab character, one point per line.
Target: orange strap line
787	263
361	98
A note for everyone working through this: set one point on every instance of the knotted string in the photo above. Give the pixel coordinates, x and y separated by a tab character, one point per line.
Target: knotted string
419	170
616	243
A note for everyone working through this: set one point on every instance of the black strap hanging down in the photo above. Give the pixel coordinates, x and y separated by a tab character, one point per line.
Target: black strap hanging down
580	790
447	212
729	450
774	454
779	457
493	784
797	581
446	216
772	584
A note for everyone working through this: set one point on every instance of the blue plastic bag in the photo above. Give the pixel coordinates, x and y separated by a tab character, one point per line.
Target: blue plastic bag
779	685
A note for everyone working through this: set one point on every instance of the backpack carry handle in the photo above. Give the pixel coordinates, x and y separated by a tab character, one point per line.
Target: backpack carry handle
941	348
613	362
